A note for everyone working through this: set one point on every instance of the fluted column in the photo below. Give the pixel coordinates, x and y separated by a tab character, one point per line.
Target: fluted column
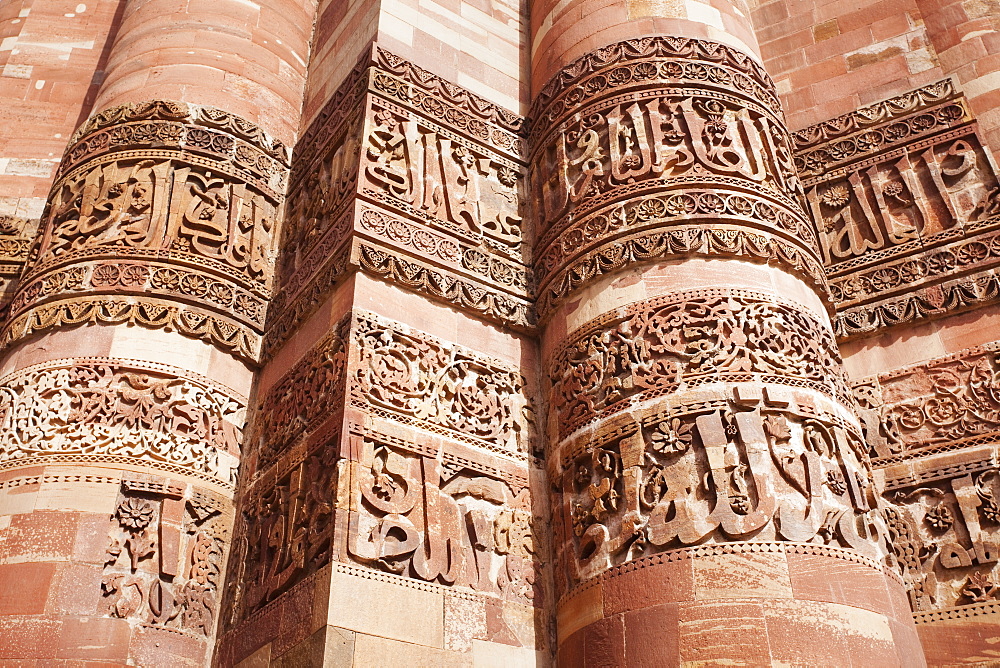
132	337
714	493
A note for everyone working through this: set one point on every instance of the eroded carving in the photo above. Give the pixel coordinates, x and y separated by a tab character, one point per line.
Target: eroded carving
413	516
427	382
164	558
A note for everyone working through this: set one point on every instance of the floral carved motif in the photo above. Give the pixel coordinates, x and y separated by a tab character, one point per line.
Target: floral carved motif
429	383
941	402
662	345
100	408
164	559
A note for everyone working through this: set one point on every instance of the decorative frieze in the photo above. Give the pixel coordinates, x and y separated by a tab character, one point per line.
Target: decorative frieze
172	209
415	379
904	197
661	147
121	411
682	340
945	401
415	182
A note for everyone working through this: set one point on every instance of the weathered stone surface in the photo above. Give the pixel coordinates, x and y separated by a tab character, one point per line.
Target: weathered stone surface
448	333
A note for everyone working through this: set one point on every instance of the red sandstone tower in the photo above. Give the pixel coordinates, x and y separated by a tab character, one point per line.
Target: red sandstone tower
476	332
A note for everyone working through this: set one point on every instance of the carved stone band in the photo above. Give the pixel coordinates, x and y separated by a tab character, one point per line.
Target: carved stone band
88	410
166	204
669	343
655	133
758	467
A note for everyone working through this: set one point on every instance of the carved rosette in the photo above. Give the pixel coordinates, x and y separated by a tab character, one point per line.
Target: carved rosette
163	214
112	411
662	147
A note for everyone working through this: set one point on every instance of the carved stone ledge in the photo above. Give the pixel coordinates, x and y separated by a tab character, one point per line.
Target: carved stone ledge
679	241
709	62
239	341
487	285
875	114
688	553
869	133
25	480
933	301
963	612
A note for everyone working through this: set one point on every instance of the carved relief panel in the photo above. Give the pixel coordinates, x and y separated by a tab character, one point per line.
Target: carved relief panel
436	515
949	402
285	531
412	378
762	465
684	340
16	234
932	431
430	481
165	557
413	180
309	394
173	205
427	171
648	142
